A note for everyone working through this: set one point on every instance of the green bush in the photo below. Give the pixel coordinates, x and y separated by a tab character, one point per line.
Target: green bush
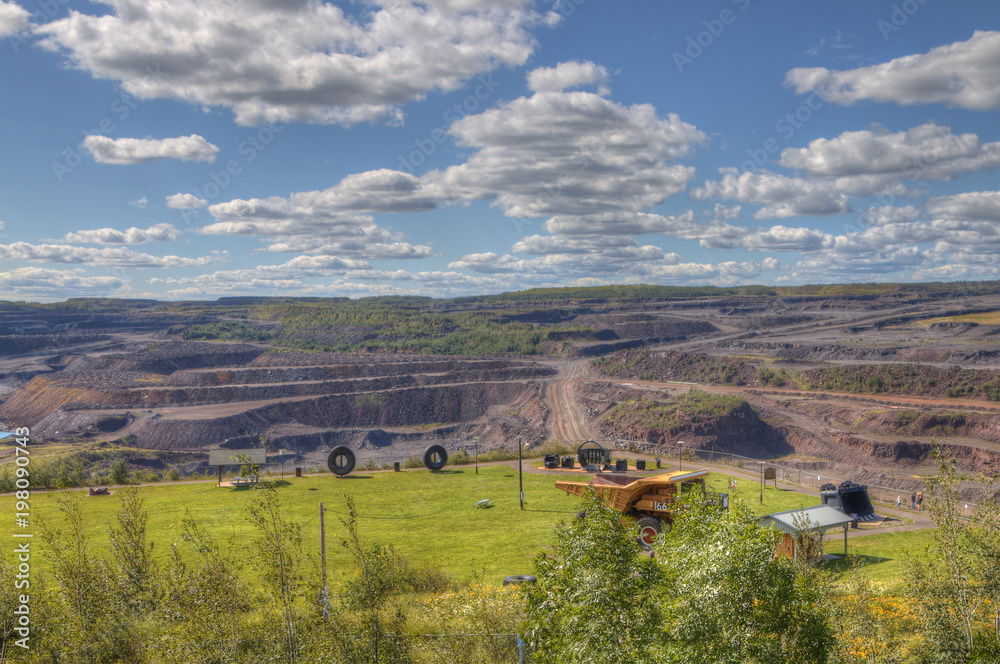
120	473
414	461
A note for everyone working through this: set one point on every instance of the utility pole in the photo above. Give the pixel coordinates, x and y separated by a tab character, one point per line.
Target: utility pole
324	593
475	440
520	472
322	545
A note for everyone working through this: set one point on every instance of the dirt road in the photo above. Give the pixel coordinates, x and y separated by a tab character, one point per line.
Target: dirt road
568	421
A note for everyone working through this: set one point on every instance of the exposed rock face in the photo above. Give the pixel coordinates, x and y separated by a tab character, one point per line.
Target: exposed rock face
406	407
740	431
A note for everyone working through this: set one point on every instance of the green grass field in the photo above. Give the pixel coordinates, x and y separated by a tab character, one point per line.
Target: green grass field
428	517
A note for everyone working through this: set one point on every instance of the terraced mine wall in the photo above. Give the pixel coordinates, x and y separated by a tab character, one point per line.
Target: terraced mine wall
404	407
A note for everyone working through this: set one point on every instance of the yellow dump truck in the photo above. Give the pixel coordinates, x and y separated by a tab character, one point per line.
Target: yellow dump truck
652	501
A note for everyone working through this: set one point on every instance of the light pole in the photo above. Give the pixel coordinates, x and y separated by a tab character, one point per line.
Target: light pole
475	440
760	464
680	455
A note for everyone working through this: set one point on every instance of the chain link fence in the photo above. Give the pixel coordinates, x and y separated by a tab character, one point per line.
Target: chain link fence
805	478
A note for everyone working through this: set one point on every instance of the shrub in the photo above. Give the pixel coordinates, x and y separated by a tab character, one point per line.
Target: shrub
461	457
120	473
414	461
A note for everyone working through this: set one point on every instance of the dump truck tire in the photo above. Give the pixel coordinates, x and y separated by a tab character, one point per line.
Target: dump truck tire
518	579
341	460
435	457
649	528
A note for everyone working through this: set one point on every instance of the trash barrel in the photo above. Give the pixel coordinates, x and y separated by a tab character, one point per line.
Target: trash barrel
395	466
640	464
621	465
298	471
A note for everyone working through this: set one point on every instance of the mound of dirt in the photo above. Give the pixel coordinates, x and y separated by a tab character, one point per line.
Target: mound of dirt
738	429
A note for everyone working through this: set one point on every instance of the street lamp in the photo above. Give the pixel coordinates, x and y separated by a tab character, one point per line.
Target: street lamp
680	454
760	464
475	440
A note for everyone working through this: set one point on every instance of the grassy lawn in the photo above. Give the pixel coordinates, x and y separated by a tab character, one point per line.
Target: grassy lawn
881	557
428	517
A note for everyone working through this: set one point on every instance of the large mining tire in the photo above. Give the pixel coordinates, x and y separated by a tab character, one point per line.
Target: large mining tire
341	460
518	579
649	528
435	457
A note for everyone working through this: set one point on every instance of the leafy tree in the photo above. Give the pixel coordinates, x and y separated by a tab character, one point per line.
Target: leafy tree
277	556
956	586
120	473
204	602
713	592
92	626
380	626
728	598
133	557
594	600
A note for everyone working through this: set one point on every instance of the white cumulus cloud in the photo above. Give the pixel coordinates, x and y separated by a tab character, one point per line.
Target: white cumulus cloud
156	233
304	61
976	205
124	151
963	74
107	257
566	75
13	18
185	202
782	196
862	162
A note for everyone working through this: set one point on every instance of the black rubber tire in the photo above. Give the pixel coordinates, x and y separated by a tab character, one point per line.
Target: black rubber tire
341	460
649	528
435	457
518	579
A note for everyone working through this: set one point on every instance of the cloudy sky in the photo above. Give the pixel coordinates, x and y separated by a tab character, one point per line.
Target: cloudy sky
191	149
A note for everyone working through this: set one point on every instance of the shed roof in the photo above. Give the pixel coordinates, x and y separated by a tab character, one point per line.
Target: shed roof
257	456
820	517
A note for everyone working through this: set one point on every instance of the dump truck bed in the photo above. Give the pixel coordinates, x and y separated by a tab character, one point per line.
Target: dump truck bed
624	496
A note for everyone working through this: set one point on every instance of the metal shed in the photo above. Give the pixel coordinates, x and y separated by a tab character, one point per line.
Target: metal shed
820	518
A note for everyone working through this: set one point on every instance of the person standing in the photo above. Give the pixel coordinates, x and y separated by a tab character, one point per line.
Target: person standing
913	501
898	502
920	501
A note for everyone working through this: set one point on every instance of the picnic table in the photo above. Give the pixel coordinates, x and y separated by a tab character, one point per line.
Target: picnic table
245	481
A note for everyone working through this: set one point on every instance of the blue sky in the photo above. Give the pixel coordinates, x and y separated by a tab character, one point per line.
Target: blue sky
196	149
